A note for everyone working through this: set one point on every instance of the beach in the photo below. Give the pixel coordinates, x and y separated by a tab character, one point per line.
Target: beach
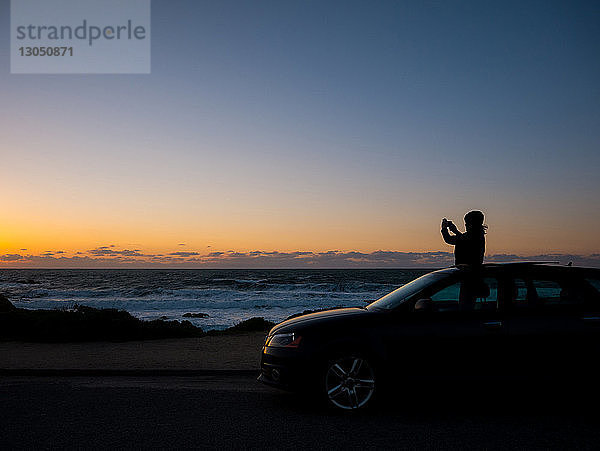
239	351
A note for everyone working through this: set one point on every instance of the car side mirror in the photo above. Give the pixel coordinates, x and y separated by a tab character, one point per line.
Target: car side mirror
424	305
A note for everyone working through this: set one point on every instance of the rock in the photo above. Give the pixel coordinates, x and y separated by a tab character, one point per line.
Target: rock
195	315
28	282
6	305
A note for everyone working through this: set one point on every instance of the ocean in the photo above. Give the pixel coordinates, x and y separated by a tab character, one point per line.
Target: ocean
225	296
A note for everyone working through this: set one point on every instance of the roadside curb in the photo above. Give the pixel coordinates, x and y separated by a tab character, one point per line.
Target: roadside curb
141	373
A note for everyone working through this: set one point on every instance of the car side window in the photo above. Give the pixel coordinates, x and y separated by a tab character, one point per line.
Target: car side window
519	293
547	291
467	295
558	292
486	297
541	292
594	282
447	298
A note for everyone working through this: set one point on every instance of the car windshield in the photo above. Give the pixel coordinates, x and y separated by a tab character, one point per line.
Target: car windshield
400	295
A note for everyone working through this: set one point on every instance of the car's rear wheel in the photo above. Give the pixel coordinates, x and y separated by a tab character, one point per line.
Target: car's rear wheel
350	382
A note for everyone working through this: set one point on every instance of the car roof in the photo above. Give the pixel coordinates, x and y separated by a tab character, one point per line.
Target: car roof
526	263
529	266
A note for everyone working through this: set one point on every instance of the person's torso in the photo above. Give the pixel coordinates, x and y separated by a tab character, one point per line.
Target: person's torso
469	250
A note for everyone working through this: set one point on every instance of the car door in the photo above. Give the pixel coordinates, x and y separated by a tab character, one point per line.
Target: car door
590	291
459	336
552	326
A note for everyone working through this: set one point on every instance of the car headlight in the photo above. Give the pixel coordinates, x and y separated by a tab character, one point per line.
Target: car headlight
291	340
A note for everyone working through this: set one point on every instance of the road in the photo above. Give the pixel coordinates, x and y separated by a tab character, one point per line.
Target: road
234	411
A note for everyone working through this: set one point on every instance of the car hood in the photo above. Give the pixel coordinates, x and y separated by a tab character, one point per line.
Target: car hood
318	317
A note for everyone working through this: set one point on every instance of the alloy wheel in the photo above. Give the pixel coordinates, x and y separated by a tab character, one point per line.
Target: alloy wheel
349	382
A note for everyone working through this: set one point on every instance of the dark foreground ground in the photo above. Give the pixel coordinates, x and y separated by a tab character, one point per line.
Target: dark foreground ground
233	411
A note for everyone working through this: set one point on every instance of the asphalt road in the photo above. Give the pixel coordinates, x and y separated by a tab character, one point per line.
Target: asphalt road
230	412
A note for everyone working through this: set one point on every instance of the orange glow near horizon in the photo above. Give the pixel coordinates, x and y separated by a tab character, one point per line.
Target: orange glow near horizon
64	219
286	236
247	218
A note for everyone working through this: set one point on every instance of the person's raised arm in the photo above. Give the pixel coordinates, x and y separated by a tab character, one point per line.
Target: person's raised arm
452	227
450	239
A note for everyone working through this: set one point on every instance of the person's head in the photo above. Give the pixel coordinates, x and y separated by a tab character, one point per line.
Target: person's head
474	221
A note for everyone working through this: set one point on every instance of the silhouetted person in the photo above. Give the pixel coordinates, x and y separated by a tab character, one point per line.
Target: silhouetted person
469	247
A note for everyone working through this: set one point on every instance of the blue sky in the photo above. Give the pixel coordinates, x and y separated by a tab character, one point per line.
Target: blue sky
311	126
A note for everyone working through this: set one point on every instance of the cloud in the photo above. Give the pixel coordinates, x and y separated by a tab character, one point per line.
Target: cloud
108	251
11	257
326	259
105	257
103	250
184	254
76	261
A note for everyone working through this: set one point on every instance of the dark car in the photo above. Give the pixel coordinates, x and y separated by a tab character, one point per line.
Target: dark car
500	320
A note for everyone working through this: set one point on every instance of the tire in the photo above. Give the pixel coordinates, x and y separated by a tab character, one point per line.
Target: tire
349	382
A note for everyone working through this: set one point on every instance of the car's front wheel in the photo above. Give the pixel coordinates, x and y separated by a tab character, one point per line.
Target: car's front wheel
350	382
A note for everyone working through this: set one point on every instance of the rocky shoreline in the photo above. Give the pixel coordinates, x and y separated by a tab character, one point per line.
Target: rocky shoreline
83	323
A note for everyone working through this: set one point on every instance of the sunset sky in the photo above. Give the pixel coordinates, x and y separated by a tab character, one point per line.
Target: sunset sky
294	128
